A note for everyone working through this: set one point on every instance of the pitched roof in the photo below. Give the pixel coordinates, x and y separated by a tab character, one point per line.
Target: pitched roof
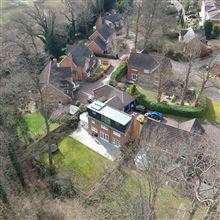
106	31
115	102
80	53
110	92
113	17
192	126
142	60
100	43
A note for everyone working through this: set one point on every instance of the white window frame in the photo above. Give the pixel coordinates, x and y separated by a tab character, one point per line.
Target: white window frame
134	78
104	127
146	71
94	129
104	136
116	134
116	143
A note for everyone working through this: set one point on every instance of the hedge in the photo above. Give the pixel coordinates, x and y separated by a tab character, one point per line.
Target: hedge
121	69
184	111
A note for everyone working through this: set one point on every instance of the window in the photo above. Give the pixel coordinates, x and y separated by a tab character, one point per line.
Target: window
104	127
94	113
106	120
104	136
134	76
94	129
116	134
93	122
146	71
116	143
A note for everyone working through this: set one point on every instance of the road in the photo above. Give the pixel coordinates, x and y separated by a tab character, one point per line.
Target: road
180	68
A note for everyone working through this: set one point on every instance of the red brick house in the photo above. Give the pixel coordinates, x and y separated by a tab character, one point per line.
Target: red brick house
81	60
112	125
57	84
140	64
102	40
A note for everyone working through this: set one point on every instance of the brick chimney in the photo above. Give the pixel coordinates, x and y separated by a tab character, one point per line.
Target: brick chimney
138	120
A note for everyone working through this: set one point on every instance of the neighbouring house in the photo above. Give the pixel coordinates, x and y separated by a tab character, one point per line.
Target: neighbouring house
112	125
57	84
81	60
188	34
140	64
144	69
115	21
102	40
114	97
210	10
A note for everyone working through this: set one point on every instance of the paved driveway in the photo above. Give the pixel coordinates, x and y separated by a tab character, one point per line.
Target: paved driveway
86	88
96	144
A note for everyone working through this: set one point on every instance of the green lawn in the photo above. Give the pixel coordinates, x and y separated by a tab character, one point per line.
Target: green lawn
34	125
213	111
86	166
148	93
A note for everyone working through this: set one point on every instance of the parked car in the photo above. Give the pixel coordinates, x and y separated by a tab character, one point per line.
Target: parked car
91	99
130	82
140	108
155	115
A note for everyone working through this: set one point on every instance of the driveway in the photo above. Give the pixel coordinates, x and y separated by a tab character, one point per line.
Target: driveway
86	88
180	69
96	144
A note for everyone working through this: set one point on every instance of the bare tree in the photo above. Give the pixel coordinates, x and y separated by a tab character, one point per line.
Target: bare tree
192	51
137	25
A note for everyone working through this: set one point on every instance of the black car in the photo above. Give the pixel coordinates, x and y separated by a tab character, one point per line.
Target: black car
140	108
130	82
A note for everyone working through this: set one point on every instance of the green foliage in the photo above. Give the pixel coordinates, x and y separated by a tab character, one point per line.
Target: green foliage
184	111
121	69
216	30
177	56
123	5
208	27
170	10
108	5
132	90
14	160
61	187
3	195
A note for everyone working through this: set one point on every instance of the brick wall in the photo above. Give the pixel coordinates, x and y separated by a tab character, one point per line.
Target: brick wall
95	48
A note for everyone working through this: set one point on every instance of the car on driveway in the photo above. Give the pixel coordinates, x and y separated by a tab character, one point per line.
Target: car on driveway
140	108
155	115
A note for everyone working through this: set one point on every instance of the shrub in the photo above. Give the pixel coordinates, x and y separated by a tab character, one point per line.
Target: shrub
184	111
177	56
208	27
132	90
121	69
170	10
62	187
216	30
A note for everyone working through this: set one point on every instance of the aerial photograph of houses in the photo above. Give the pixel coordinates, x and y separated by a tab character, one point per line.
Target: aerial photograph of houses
110	109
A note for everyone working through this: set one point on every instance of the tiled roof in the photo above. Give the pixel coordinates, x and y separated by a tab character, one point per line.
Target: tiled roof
142	60
113	18
110	91
106	31
100	43
80	53
192	126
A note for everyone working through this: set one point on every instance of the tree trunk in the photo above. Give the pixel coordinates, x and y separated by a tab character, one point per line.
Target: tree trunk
185	87
195	206
201	90
137	28
127	29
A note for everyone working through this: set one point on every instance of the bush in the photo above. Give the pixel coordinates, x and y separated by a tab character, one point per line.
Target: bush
62	187
177	56
208	27
191	112
216	30
121	69
170	10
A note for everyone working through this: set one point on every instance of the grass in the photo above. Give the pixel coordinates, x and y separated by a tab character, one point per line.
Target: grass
168	200
34	125
213	112
152	96
87	166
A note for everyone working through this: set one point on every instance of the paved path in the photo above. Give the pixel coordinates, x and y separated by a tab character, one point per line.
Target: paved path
101	147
